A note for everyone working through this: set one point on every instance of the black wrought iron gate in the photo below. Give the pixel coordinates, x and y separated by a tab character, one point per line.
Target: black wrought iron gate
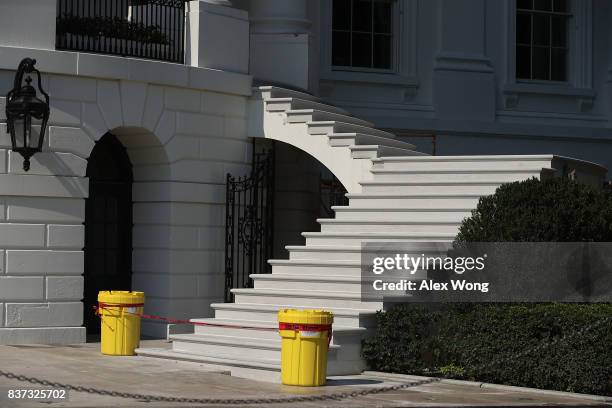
249	223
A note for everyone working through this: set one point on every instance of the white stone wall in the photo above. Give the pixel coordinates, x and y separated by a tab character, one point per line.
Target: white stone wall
229	51
181	140
28	23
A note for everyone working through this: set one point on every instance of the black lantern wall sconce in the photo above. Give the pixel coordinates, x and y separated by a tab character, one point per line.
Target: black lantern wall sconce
26	114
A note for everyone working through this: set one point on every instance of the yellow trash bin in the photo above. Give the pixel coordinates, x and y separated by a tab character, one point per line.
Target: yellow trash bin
119	311
305	336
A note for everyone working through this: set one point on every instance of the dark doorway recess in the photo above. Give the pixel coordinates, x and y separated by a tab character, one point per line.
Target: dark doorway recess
108	225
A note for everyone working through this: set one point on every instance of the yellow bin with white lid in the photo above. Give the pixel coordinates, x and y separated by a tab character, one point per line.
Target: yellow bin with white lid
305	337
120	326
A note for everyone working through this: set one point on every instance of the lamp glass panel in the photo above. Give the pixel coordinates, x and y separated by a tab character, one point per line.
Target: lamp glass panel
19	127
35	133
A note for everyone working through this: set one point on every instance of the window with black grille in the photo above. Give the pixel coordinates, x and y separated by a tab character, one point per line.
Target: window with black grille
542	39
362	33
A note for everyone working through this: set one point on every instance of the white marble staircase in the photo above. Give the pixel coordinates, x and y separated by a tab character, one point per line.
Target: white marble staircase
395	195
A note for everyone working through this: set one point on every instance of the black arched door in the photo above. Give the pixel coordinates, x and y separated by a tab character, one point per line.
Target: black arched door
108	225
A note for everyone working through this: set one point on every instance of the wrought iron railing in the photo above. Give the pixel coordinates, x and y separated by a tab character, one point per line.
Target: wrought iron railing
249	224
152	29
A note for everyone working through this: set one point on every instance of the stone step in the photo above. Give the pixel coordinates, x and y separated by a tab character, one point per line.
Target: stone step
261	330
254	349
374	151
431	187
282	282
350	139
462	163
327	127
285	104
320	299
401	214
233	365
353	238
353	318
413	200
313	269
269	92
229	346
354	286
456	175
330	253
241	327
422	226
317	267
353	254
316	115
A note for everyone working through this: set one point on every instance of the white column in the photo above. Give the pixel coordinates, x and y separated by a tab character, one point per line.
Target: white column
464	81
217	36
28	24
281	42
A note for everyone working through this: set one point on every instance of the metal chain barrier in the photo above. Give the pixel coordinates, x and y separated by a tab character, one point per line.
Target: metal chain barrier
220	401
279	400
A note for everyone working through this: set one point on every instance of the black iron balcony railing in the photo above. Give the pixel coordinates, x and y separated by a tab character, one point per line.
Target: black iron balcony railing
153	29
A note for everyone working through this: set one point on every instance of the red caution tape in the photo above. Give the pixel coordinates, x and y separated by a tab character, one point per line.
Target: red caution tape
308	328
305	327
281	326
107	305
177	321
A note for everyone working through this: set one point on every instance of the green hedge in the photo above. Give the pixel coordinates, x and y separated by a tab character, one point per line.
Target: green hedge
556	210
536	345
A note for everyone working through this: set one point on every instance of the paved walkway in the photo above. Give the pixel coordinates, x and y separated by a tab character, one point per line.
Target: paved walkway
84	365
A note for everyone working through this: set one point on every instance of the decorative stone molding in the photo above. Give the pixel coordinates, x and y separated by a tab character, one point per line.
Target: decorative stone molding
585	104
583	96
511	100
463	62
83	65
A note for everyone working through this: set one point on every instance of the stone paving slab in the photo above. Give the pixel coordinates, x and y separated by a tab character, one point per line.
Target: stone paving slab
84	365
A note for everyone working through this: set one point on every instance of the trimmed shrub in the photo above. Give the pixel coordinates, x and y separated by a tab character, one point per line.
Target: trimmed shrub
550	346
555	210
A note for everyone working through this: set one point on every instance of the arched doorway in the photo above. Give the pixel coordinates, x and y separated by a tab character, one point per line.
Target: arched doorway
108	225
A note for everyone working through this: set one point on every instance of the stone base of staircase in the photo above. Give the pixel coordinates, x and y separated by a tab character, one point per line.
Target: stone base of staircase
256	357
253	370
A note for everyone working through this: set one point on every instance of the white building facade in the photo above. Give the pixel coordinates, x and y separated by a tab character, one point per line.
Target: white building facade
166	126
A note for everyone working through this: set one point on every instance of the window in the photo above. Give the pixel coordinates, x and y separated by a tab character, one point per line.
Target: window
362	33
542	39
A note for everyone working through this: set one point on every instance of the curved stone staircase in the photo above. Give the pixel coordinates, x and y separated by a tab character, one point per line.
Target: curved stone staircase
395	195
